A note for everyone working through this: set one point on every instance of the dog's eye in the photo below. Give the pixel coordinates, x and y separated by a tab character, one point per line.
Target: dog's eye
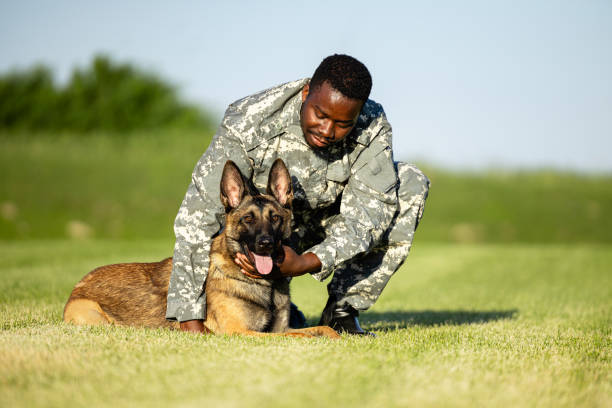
275	217
247	219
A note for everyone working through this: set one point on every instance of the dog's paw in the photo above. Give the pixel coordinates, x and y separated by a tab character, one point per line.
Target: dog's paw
327	331
298	334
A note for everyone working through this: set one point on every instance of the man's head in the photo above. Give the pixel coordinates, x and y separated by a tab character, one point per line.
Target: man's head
331	102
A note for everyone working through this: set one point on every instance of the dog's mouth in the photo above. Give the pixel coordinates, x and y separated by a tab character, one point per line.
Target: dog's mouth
263	263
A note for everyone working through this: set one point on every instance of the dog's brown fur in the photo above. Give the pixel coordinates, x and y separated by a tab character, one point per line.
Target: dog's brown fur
134	294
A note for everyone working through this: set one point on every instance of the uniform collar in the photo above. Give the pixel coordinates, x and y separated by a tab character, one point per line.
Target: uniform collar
287	120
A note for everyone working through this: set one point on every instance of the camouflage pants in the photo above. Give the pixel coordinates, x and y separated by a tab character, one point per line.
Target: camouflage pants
361	280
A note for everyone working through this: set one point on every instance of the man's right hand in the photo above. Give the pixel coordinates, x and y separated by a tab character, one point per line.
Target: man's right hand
194	326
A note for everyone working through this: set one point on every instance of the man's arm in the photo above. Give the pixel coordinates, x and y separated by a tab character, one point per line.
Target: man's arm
198	221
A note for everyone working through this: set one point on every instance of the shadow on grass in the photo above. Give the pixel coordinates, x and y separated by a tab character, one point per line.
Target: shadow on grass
401	319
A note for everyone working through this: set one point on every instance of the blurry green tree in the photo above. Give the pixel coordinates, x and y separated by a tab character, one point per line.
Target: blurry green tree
105	96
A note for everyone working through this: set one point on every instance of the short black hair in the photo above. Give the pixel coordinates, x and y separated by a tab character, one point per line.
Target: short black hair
345	74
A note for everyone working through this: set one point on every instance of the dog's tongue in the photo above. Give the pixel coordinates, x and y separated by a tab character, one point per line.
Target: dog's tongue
263	264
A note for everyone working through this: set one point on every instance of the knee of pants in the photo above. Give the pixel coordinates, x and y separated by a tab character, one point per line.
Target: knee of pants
411	194
413	183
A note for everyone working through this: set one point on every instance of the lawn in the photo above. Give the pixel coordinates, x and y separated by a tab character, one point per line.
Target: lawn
459	325
130	187
506	299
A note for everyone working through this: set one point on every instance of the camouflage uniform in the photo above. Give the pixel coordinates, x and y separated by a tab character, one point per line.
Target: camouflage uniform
354	207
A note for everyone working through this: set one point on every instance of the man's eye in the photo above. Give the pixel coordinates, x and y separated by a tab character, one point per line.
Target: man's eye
319	115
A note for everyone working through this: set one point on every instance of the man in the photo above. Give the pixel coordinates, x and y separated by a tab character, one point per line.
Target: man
355	209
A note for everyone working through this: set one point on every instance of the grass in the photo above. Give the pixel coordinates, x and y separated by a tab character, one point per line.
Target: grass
106	186
506	299
100	185
459	325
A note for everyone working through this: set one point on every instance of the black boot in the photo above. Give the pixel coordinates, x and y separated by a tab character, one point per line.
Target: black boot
343	318
297	320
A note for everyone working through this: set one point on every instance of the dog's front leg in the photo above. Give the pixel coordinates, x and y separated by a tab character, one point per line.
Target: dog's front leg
282	304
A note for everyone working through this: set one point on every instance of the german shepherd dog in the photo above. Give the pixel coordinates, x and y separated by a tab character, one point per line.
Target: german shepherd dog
134	294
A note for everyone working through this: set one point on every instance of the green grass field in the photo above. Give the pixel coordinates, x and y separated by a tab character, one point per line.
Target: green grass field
459	325
130	188
506	299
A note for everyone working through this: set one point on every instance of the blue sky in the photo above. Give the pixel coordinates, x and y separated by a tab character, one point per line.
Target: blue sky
465	84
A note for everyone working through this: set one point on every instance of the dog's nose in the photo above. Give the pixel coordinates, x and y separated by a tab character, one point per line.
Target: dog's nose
265	242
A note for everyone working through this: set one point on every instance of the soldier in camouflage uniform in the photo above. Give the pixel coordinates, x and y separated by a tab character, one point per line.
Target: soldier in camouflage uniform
355	209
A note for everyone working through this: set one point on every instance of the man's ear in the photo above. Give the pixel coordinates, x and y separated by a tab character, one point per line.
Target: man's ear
279	184
232	186
305	91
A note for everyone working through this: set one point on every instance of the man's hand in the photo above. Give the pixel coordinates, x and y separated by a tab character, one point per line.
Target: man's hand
246	266
297	265
292	265
194	326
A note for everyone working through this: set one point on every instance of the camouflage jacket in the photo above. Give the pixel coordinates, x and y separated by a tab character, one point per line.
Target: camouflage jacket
357	172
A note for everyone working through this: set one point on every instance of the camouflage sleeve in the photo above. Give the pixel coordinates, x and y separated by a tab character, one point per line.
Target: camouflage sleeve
368	204
198	220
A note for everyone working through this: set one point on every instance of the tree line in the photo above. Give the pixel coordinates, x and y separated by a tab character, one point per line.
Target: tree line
105	96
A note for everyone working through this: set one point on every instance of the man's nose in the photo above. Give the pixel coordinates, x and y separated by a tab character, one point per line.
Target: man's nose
327	129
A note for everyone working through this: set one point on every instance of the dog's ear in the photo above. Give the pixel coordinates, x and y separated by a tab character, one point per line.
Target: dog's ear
232	186
279	183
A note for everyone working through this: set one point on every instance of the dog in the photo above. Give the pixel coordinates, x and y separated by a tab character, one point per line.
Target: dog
134	294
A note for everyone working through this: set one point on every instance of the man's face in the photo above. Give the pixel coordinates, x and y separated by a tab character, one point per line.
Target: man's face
327	116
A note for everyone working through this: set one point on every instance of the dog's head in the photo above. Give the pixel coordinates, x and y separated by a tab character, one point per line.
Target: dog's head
256	224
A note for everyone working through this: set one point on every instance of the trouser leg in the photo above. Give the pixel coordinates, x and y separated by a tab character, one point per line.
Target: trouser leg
360	281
